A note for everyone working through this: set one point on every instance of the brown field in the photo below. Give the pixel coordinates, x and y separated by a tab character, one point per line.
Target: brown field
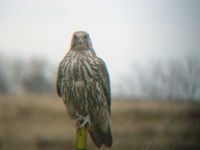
41	123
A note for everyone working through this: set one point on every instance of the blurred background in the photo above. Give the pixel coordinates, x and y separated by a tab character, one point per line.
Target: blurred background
152	51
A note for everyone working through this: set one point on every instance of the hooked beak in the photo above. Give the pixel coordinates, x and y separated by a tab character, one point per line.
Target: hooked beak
80	41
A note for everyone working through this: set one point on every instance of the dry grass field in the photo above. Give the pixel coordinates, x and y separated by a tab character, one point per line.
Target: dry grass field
41	123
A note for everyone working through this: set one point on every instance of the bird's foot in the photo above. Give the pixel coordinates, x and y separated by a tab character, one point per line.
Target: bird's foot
82	120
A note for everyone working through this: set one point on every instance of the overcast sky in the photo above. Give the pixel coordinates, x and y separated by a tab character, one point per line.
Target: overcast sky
122	31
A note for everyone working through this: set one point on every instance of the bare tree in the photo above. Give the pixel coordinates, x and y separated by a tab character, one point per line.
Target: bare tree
183	78
4	83
177	79
191	84
18	67
151	80
36	78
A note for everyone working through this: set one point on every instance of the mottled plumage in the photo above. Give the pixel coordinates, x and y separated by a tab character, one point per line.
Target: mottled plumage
84	85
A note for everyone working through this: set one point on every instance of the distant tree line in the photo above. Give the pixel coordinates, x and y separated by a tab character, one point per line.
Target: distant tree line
19	76
173	79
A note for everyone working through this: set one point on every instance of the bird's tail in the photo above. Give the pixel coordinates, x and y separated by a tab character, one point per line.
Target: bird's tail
101	137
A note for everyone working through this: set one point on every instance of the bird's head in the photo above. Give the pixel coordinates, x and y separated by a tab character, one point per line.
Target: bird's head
81	41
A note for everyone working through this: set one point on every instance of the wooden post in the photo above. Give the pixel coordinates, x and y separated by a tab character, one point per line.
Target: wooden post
81	139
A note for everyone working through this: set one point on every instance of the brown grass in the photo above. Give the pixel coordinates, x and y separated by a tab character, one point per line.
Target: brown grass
31	122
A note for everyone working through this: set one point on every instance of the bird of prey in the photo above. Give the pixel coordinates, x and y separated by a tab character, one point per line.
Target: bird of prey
84	85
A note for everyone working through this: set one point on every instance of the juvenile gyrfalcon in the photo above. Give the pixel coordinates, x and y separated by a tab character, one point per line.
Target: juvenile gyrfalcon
84	85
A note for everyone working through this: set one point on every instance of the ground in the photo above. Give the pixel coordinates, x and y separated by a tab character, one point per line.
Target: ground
31	122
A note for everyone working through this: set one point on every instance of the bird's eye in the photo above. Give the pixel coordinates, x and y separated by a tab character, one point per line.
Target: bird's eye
75	37
86	36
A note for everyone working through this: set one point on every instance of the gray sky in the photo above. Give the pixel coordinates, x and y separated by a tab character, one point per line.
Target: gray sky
122	31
